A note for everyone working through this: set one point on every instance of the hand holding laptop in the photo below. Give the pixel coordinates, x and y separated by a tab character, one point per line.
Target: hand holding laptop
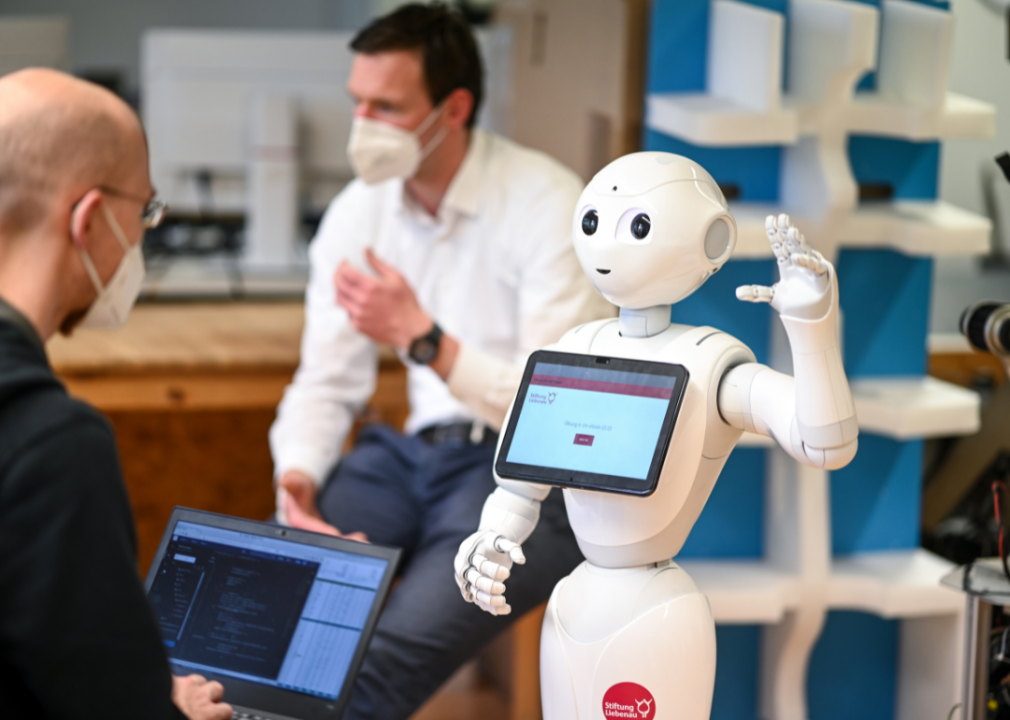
199	699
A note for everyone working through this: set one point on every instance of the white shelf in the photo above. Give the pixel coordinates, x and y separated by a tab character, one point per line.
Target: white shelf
917	228
714	121
905	408
751	238
901	584
965	117
960	117
743	592
921	228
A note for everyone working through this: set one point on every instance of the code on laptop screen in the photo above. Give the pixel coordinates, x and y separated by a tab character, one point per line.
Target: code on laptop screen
264	610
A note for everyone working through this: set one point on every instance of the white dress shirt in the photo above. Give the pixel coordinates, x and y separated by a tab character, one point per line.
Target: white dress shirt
495	269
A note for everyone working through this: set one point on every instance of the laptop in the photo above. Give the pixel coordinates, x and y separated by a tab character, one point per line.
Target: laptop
280	617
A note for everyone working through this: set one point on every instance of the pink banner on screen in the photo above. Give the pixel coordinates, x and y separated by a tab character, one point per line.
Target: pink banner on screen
602	387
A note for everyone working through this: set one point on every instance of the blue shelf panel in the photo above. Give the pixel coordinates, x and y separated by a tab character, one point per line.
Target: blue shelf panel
875	500
911	169
736	672
853	669
732	523
885	299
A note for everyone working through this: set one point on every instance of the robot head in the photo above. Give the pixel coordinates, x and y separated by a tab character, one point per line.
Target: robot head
650	228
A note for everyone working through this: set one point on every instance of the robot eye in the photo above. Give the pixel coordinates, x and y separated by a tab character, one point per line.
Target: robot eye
590	221
640	226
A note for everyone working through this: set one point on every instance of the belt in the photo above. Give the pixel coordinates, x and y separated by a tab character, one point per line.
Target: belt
459	433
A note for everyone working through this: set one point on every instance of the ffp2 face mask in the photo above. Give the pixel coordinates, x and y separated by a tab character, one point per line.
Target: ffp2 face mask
379	151
115	300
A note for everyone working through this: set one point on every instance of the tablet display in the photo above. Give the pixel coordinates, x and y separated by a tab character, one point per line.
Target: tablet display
593	422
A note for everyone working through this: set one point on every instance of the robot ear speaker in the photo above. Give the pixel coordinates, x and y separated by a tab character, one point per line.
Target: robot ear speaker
718	239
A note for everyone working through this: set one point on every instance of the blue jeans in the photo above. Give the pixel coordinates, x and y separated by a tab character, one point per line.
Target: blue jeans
427	499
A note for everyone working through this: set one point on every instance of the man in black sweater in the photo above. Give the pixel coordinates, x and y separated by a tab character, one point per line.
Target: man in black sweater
77	636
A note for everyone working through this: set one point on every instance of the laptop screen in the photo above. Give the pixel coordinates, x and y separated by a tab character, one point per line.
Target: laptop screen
264	610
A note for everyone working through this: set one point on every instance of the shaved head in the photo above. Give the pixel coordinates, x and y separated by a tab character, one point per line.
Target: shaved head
60	135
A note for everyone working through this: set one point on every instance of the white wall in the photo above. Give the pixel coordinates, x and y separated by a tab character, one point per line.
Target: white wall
105	34
979	69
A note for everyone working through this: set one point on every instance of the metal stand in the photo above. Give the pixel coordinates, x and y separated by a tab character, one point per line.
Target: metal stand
985	586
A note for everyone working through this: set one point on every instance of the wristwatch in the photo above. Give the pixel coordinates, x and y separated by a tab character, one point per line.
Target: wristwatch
424	350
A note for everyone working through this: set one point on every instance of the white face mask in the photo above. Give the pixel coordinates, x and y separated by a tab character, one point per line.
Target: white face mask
379	151
115	300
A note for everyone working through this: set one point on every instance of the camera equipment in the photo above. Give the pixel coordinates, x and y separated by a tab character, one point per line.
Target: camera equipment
986	324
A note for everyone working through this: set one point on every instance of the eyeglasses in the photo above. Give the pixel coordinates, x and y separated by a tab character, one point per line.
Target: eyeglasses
154	209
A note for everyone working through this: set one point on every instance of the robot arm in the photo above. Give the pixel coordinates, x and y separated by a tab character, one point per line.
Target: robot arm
812	414
485	558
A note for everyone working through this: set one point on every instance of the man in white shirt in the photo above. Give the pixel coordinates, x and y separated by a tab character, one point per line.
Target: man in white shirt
454	247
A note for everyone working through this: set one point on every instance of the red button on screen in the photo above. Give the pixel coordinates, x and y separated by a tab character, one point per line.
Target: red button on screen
581	439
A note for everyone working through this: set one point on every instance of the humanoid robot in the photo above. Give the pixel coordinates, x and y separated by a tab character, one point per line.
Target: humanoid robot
628	634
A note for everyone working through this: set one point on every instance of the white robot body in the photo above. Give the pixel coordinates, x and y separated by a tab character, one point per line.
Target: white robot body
629	626
649	634
623	530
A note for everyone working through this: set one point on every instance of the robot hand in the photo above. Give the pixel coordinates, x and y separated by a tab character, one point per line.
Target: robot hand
482	565
804	288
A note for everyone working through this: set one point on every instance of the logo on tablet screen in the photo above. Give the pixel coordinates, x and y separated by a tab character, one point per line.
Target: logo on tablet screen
550	398
629	700
541	398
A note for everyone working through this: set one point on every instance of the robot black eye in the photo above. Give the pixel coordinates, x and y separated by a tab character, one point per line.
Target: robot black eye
640	226
590	221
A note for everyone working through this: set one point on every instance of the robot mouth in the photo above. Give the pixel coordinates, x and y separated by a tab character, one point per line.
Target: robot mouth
601	271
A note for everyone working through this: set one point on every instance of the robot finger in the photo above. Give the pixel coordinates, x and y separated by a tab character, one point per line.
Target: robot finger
775	237
501	610
484	583
796	244
755	293
490	569
811	263
484	598
512	549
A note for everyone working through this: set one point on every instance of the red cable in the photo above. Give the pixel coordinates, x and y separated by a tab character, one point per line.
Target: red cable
998	485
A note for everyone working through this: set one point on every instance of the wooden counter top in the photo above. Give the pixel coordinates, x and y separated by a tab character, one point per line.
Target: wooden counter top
180	338
190	356
199	356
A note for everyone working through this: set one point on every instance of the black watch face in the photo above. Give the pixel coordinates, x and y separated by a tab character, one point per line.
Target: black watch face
423	350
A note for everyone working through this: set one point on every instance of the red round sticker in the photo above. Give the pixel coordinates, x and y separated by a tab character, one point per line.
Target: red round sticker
629	700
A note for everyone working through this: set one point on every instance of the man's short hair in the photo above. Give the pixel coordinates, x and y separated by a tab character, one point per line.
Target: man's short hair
449	53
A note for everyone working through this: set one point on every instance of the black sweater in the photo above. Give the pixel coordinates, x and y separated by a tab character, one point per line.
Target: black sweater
77	636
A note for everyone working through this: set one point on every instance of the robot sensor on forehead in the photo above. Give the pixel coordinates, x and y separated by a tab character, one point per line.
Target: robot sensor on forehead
635	417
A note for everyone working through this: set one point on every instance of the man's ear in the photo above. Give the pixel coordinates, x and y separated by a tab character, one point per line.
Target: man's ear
458	105
82	217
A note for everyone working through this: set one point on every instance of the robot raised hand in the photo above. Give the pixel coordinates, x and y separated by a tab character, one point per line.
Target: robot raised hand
805	276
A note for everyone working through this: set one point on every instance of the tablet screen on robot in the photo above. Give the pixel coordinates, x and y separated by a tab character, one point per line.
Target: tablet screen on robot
592	422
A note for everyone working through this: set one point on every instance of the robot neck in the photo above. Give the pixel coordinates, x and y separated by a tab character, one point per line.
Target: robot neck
645	322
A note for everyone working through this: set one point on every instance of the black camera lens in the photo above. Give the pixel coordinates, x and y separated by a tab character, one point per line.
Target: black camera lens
640	226
973	322
590	221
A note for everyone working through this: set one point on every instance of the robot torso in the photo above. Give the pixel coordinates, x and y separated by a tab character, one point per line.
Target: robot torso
616	530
